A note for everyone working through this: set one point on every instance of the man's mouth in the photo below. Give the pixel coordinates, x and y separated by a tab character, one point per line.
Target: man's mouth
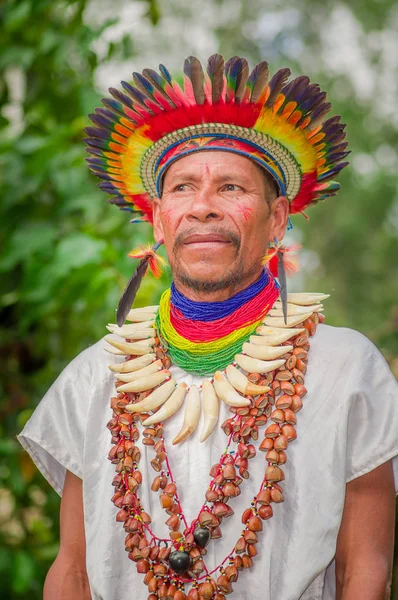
205	241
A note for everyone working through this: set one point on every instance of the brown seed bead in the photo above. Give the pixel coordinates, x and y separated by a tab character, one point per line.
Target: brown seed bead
216	533
165	500
280	442
298	376
153	596
193	594
147	441
290	417
162	592
160	569
276	387
284	375
175	535
156	484
272	430
143	566
300	364
155	464
261	401
282	457
171	590
229	472
179	595
170	489
211	495
224	584
273	473
250	537
254	524
300	390
272	456
240	545
264	497
265	512
232	573
238	563
254	377
173	522
153	585
219	596
276	495
229	490
297	403
266	444
247	561
154	553
206	590
252	550
283	402
291	362
290	432
145	518
148	576
278	416
287	388
122	515
261	421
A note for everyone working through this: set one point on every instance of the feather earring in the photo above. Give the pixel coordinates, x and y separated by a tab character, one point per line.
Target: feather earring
150	259
282	262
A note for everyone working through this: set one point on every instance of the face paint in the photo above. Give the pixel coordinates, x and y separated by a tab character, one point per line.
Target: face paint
244	210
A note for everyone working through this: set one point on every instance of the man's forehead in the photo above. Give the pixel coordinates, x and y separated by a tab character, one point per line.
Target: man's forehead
219	164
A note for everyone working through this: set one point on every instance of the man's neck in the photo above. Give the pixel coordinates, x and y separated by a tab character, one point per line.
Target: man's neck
217	295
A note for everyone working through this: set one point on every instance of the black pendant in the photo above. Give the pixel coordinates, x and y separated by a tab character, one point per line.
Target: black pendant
201	536
180	561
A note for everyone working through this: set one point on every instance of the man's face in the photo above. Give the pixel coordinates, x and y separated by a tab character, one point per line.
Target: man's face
216	216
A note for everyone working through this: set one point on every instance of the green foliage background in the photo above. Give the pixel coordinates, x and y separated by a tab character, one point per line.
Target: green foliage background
63	262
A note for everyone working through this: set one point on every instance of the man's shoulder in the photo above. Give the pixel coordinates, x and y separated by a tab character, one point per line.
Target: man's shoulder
341	345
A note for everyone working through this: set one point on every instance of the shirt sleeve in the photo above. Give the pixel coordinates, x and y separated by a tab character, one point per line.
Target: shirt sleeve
372	432
54	434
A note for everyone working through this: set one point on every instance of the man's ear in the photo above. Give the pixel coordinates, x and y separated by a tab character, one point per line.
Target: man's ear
157	221
280	216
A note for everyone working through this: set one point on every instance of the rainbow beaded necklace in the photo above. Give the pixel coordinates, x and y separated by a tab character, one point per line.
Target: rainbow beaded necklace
203	337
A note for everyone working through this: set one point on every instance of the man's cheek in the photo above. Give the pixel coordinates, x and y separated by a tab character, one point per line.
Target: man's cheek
244	211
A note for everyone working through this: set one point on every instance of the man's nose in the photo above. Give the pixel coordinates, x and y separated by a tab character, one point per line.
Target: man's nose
205	207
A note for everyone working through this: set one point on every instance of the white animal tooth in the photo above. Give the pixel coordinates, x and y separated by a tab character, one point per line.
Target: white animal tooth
114	351
305	299
134	364
255	365
241	383
136	348
269	340
291	321
155	399
294	309
170	407
130	327
145	383
211	409
265	331
191	415
265	352
226	392
152	368
139	334
137	315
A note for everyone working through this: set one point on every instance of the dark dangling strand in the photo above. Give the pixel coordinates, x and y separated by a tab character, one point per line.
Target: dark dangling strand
133	284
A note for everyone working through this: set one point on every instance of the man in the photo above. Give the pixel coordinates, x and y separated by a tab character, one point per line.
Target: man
219	372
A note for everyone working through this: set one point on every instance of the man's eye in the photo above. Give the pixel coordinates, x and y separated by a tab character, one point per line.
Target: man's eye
180	187
231	187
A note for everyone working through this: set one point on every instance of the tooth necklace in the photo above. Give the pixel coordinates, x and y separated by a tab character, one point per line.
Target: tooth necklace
274	359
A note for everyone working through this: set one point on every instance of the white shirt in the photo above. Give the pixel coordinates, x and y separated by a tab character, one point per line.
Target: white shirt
347	427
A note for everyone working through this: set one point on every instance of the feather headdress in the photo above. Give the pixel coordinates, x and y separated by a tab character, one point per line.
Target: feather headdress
153	121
